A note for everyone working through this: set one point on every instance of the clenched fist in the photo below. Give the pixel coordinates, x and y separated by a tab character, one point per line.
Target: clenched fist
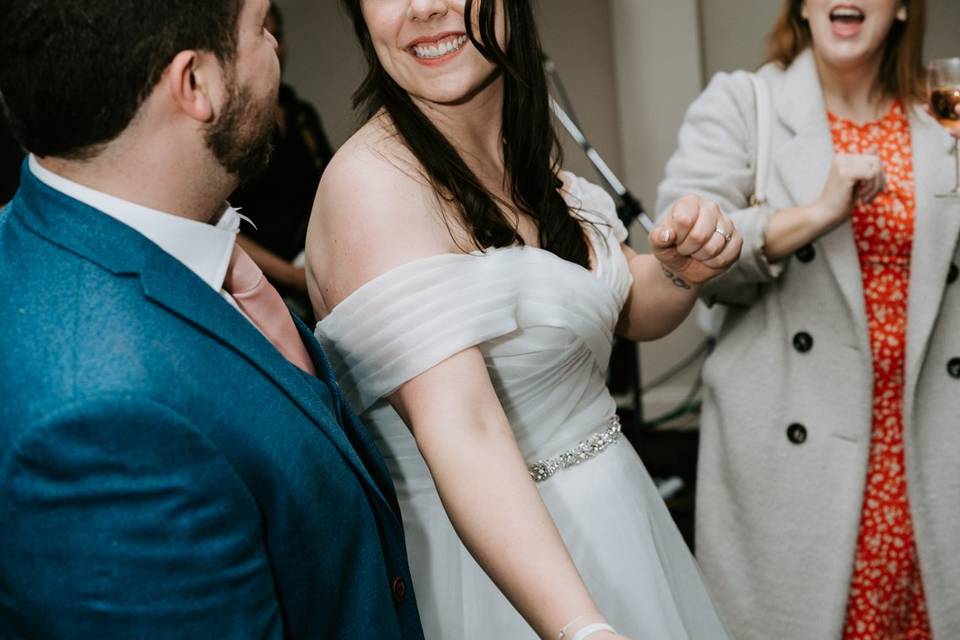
853	178
695	241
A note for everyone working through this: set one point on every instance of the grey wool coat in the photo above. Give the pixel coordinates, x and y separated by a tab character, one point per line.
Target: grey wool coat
787	410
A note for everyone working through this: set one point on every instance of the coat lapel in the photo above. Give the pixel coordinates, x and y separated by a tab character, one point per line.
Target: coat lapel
803	165
936	229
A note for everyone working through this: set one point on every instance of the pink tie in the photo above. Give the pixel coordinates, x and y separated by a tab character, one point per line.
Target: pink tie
257	298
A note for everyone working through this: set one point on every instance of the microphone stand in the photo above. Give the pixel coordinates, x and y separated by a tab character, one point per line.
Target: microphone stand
628	210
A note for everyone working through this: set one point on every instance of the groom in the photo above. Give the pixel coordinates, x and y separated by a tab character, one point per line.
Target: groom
175	459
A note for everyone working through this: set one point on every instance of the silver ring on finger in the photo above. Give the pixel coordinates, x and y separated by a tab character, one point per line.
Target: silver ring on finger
723	234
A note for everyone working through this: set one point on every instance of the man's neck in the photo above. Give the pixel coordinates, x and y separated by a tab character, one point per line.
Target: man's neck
176	186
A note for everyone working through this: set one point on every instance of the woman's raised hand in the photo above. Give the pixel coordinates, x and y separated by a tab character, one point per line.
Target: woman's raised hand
695	241
853	178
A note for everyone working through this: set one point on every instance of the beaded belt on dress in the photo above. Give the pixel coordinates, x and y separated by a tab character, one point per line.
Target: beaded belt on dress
587	449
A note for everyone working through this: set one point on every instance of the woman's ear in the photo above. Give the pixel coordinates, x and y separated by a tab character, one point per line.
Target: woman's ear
903	13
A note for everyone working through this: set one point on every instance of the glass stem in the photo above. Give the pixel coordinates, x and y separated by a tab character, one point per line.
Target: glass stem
956	155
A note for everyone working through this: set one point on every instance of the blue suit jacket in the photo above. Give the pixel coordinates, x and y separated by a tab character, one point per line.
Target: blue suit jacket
164	471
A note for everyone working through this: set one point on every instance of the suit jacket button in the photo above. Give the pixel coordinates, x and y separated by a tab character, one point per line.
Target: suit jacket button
797	433
953	274
806	254
399	589
953	368
803	342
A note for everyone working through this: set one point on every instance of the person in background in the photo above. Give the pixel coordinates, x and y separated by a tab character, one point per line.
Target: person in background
11	156
278	202
828	475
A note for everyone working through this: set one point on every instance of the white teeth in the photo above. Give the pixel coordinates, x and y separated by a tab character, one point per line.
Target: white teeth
846	13
440	49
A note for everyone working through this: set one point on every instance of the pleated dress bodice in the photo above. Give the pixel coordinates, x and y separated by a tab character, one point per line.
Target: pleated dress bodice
544	326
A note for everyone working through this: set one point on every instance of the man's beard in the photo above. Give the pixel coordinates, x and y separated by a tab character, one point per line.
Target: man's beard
241	138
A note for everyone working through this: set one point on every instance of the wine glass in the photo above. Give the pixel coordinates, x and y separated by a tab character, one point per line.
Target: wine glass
943	87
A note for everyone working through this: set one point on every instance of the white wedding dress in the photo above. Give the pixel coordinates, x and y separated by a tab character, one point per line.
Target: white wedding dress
545	327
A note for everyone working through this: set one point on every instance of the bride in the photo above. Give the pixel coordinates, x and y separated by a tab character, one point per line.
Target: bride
473	292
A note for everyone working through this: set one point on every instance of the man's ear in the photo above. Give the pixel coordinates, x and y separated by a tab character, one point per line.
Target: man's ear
194	81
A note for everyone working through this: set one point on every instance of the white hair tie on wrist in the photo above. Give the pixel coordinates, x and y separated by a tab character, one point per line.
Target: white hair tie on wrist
566	627
591	629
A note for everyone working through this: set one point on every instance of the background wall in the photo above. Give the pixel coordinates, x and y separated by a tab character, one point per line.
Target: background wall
658	60
576	36
324	62
943	28
631	67
733	33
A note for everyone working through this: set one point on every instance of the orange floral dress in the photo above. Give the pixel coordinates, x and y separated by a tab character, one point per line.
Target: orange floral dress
886	599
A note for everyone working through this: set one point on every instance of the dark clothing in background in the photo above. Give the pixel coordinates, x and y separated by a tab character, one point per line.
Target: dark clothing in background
280	199
11	157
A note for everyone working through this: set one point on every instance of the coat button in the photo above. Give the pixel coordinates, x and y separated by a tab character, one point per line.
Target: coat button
953	368
806	254
803	342
399	588
797	433
953	274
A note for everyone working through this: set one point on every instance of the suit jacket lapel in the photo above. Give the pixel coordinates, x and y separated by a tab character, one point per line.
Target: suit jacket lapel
936	229
321	364
803	165
166	282
173	287
356	431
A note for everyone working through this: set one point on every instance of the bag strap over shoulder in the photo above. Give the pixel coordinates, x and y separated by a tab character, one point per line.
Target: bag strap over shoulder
762	95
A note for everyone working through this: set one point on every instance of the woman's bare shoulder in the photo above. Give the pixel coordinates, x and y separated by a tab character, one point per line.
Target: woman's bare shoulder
374	211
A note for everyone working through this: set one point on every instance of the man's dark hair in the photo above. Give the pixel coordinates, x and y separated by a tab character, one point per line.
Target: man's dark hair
74	73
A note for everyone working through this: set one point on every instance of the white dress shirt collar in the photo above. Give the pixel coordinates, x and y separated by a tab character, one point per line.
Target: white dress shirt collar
203	248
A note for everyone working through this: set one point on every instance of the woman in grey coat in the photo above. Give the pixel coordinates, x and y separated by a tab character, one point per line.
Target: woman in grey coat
829	480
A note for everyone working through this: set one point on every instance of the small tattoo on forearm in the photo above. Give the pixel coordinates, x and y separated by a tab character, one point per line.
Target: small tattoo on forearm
675	279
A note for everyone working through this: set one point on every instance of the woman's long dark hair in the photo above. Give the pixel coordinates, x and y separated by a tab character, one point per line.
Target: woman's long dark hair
531	151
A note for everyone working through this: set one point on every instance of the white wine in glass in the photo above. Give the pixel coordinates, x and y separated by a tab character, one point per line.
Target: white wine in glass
943	90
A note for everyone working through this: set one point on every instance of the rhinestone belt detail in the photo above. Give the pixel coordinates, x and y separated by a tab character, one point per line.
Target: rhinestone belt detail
587	450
